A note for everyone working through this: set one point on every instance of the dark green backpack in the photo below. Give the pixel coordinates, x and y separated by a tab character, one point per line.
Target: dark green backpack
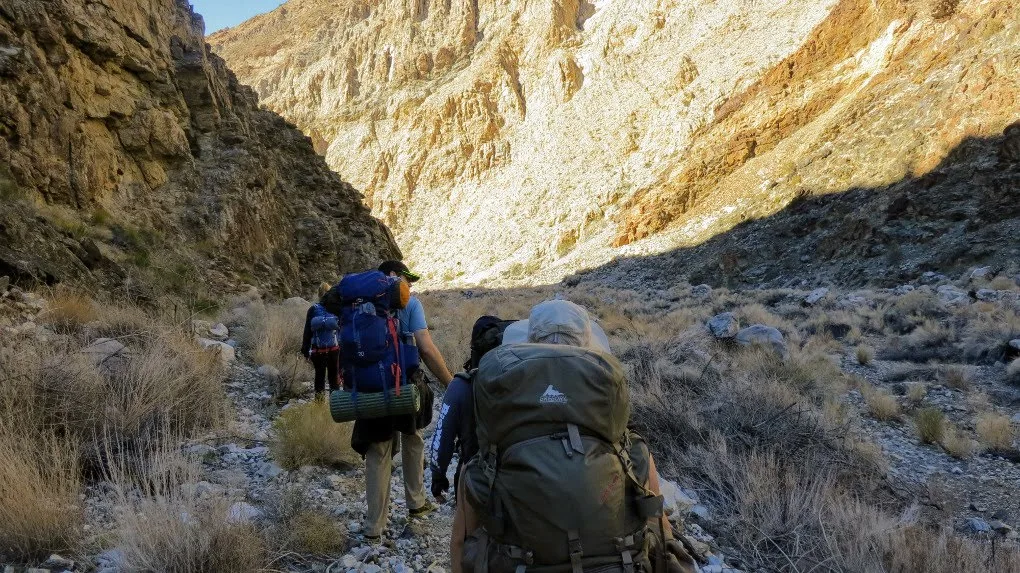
559	483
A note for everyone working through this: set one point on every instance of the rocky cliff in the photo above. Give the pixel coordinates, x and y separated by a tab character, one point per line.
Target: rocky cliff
129	152
529	139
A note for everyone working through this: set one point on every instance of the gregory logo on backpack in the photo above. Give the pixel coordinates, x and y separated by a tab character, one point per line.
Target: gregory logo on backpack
553	396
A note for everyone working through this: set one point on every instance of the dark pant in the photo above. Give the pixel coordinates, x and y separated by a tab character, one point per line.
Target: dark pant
326	363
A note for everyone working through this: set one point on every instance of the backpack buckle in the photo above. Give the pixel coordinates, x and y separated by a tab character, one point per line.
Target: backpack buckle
576	551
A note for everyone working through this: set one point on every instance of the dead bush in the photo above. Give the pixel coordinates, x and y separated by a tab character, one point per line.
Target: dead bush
956	377
307	435
930	424
957	444
916	392
40	512
167	528
296	377
881	404
67	311
273	332
994	431
865	354
930	341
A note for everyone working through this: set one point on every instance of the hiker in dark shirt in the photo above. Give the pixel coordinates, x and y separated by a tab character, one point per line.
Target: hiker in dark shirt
325	356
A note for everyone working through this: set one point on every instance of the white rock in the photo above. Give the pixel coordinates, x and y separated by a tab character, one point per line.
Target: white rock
57	562
219	331
701	291
987	295
952	296
980	273
224	351
371	568
242	512
674	499
815	296
903	289
349	561
723	325
268	372
768	336
105	349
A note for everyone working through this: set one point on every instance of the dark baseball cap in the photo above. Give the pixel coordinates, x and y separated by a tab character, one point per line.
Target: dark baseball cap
400	269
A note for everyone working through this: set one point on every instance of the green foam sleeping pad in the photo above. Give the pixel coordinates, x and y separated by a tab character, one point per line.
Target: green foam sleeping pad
373	405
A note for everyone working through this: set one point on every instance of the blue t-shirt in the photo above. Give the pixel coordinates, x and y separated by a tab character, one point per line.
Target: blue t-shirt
412	318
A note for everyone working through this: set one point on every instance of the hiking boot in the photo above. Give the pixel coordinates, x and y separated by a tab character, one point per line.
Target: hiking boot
421	511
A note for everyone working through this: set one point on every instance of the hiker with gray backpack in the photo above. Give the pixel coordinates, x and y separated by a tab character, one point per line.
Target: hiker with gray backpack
559	483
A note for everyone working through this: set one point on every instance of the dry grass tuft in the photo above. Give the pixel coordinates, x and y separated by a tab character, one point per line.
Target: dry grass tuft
307	435
957	444
930	424
39	508
274	332
296	377
865	354
315	532
994	431
166	528
881	404
67	311
916	392
956	377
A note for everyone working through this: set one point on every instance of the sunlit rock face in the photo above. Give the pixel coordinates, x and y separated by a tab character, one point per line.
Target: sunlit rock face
527	140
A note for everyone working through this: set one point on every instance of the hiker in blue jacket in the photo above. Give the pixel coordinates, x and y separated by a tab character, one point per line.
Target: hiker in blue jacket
321	348
455	430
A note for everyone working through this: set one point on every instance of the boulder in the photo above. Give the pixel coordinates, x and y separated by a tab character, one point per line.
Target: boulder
987	295
270	373
952	296
701	291
978	525
242	512
761	335
297	302
674	498
104	350
723	325
815	296
930	278
903	289
980	273
219	331
224	351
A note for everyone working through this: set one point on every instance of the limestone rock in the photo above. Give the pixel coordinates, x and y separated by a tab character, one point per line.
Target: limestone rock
224	351
219	331
815	296
765	336
438	109
701	291
104	350
242	512
156	137
723	325
952	296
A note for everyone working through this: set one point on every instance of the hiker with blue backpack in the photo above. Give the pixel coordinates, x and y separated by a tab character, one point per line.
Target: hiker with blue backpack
321	344
383	340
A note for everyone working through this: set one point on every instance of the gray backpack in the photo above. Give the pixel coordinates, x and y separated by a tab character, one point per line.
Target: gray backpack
559	483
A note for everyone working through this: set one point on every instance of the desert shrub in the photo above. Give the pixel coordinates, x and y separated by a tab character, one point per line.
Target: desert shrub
985	335
881	404
930	341
39	508
930	424
315	532
273	332
957	444
916	391
167	528
121	321
994	431
307	435
956	377
909	311
67	311
864	354
296	377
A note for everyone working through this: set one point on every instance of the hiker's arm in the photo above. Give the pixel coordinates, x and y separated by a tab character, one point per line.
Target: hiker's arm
444	439
653	484
431	357
306	341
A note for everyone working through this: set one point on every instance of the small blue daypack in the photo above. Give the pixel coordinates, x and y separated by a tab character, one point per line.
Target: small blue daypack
325	329
370	348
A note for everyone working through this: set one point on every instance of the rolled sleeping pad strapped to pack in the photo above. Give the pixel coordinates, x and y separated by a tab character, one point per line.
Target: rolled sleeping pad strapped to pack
345	407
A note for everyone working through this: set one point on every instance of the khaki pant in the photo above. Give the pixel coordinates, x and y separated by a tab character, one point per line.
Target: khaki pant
379	470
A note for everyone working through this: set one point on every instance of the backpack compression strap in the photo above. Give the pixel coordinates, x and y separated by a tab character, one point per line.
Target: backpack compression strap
398	371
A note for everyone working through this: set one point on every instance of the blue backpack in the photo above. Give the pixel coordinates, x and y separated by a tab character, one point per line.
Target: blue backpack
325	329
370	348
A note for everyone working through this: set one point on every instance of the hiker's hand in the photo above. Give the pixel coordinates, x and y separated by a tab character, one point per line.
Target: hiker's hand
439	486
